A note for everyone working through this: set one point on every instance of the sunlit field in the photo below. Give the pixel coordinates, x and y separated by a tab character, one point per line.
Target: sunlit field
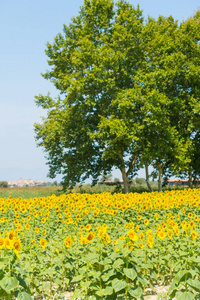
30	192
100	246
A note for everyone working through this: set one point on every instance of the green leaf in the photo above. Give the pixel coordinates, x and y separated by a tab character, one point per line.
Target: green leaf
94	274
24	296
185	295
105	292
108	274
173	294
91	258
118	263
118	285
77	294
77	278
45	286
2	264
66	280
3	294
22	282
106	261
135	292
126	252
100	292
130	273
172	287
194	283
58	281
182	276
142	280
115	255
68	266
85	285
154	276
9	283
108	290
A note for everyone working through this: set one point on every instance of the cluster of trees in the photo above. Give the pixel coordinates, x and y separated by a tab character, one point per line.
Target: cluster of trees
129	92
4	184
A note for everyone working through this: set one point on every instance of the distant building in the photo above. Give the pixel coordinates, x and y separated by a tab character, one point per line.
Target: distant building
27	182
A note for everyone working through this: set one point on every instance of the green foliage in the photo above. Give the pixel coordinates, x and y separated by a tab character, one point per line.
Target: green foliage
129	95
106	177
11	281
139	181
3	184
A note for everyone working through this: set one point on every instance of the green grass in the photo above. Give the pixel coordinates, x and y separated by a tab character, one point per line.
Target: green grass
40	191
31	192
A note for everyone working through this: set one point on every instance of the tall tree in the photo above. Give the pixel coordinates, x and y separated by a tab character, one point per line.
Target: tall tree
93	64
172	74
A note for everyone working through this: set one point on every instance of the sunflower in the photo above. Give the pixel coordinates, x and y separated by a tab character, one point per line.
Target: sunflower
90	236
83	240
105	226
43	243
68	241
141	245
132	235
161	234
169	233
2	242
11	235
27	226
194	235
8	243
16	245
141	236
16	221
23	210
88	227
78	217
190	215
137	228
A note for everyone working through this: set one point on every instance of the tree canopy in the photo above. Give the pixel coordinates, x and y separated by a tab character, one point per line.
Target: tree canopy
128	94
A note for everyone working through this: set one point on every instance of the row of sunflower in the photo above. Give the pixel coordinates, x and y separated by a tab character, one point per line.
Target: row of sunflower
100	246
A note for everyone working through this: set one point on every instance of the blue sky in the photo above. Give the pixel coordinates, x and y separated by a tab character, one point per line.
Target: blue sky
25	27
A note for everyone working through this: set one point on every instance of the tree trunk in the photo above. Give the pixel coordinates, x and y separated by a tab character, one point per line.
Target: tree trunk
125	180
190	179
160	178
124	174
147	178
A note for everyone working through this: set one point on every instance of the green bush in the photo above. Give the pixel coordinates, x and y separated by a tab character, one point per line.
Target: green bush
4	184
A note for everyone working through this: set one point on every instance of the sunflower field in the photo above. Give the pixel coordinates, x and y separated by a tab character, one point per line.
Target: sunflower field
100	246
